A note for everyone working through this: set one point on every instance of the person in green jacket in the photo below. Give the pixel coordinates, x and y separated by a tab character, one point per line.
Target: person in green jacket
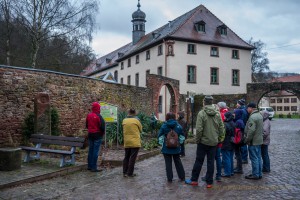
254	139
209	132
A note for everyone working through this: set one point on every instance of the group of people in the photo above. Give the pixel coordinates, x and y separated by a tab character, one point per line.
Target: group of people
216	133
216	129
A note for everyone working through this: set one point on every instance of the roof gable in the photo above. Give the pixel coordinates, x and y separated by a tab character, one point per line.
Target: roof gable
212	34
181	28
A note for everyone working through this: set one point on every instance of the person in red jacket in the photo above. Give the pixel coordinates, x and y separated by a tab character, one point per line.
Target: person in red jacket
96	129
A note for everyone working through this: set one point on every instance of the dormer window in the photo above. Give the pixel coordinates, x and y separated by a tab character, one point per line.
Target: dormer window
120	54
108	60
200	26
98	64
222	29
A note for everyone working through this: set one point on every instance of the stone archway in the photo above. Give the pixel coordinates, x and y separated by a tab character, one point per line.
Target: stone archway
156	82
255	91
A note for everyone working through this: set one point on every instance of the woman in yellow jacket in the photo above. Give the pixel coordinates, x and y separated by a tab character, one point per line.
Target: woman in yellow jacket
132	129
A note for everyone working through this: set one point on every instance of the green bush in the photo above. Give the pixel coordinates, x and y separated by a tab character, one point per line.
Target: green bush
54	122
150	144
111	130
28	125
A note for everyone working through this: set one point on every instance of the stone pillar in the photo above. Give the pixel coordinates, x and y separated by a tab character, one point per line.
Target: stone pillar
10	159
42	114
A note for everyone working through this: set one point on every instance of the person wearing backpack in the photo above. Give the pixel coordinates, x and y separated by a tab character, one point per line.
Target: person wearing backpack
209	132
132	129
241	104
170	136
239	124
96	129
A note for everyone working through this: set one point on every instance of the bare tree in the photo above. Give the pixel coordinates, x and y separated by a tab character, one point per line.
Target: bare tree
6	13
259	60
44	19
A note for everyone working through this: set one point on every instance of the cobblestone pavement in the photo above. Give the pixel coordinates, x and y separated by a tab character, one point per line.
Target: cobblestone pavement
282	183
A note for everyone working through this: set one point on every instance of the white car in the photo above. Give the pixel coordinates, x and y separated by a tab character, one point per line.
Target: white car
270	110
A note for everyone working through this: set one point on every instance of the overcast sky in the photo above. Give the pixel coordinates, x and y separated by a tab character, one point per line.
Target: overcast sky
274	22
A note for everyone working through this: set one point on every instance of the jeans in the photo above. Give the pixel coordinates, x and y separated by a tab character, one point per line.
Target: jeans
94	148
255	157
237	151
227	157
218	162
244	152
129	160
265	158
202	151
178	166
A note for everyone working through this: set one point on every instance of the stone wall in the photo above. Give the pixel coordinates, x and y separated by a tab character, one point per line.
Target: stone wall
255	91
71	95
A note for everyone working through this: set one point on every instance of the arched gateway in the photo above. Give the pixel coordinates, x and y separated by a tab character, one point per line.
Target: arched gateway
255	91
156	82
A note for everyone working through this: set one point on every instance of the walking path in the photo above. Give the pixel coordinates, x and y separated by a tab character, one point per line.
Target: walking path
282	183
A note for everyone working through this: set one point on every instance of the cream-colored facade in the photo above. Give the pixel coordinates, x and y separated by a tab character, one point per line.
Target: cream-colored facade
175	67
206	58
283	104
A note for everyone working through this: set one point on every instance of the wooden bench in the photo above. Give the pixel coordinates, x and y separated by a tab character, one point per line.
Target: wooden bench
37	139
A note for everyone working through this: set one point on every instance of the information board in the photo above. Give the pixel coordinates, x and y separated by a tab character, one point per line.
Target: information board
109	112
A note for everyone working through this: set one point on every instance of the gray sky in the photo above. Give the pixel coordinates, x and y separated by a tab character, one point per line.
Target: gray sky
274	22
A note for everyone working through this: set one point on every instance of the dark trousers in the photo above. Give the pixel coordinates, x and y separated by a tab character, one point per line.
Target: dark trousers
244	152
238	156
182	152
178	166
265	158
202	151
129	160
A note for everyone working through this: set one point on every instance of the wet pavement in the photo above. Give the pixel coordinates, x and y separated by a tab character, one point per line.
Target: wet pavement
282	183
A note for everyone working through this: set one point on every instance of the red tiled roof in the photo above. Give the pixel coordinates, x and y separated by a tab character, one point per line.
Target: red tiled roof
295	78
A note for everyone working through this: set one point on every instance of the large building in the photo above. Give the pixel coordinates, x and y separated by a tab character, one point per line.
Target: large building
196	48
283	102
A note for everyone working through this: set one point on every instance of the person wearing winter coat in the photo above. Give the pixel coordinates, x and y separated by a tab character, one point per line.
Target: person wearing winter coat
209	132
171	153
241	104
254	139
239	123
96	129
181	120
222	108
266	142
132	129
227	145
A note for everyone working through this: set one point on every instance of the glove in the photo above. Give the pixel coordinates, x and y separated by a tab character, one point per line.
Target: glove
161	140
181	139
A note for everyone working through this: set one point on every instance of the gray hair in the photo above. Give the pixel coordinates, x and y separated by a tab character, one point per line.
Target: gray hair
222	104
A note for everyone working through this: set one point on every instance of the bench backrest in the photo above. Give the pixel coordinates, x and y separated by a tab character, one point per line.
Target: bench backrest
57	140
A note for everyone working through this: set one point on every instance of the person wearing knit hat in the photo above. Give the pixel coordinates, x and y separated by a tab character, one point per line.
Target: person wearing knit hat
241	102
209	132
254	138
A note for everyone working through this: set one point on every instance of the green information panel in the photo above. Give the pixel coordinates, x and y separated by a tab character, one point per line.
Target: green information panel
109	112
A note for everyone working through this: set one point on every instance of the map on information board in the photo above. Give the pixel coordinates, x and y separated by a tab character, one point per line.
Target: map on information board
109	112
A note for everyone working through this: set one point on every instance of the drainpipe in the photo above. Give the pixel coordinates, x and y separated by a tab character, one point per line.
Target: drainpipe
166	75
